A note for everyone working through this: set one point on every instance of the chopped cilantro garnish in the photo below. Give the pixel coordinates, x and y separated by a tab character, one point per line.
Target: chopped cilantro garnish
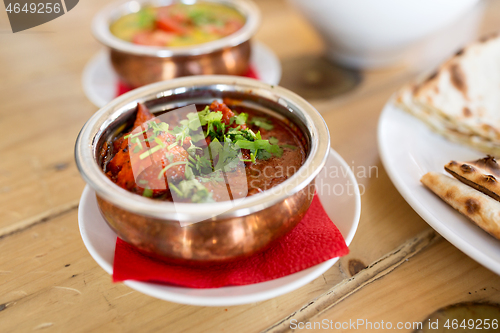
154	149
158	127
181	133
260	144
275	141
192	189
214	177
134	135
172	146
239	119
137	141
169	166
145	19
192	149
209	117
189	172
224	150
203	164
262	122
264	155
201	17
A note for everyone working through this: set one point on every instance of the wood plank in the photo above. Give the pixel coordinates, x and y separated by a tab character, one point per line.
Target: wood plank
348	287
52	280
37	157
43	109
42	112
437	277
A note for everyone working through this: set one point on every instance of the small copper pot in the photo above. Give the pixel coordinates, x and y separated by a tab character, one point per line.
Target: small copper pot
211	241
138	65
228	230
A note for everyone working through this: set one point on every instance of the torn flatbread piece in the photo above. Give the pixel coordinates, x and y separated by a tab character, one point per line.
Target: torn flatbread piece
461	100
480	208
483	175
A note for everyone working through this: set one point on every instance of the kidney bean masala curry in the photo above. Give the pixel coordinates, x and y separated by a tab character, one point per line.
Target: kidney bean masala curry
250	150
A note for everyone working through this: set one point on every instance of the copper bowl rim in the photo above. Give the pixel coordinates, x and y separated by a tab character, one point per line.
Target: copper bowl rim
104	18
88	138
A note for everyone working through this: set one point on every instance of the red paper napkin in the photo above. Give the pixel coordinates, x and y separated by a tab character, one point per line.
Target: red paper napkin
122	88
314	240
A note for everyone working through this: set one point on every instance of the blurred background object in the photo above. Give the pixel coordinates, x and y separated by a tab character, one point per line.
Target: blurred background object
147	60
369	34
314	77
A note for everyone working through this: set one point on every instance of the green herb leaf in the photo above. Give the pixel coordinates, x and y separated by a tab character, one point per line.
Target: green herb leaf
153	150
169	166
134	135
289	146
260	144
264	155
171	146
164	127
203	164
147	193
213	177
189	172
192	189
137	141
192	149
169	157
241	118
273	140
262	122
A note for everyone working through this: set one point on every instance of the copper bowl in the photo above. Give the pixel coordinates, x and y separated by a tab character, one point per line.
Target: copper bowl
138	65
230	230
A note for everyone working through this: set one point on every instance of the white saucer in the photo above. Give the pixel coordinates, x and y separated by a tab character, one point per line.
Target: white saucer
409	149
100	81
343	206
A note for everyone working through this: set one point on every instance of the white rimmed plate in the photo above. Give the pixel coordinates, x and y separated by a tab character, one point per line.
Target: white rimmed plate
100	81
341	200
409	149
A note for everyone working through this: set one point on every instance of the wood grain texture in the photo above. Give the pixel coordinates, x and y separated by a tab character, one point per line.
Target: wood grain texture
49	281
348	287
439	276
54	280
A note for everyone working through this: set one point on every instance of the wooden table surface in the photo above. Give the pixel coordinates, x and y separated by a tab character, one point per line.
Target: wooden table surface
398	269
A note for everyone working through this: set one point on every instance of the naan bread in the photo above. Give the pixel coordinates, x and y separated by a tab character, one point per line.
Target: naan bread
483	175
444	126
478	207
461	100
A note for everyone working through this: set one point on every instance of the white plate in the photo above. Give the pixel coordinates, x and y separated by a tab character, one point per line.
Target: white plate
100	81
342	207
409	149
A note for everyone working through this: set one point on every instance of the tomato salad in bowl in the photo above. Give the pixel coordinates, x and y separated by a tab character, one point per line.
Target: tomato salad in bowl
154	40
178	24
